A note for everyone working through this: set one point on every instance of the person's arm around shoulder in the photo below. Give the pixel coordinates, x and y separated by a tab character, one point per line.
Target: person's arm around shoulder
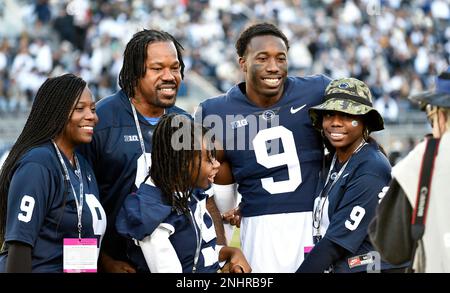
390	230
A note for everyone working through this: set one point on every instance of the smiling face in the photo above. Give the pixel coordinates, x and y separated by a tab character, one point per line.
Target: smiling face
265	68
343	131
208	169
80	127
162	78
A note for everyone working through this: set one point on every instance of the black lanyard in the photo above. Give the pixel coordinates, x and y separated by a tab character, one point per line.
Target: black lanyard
423	195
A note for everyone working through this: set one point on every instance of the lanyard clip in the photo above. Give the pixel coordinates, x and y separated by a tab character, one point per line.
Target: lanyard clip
317	238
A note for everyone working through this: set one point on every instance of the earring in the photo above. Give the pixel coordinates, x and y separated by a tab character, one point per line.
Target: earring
366	134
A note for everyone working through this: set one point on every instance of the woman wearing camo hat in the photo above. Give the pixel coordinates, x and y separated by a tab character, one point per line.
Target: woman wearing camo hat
356	172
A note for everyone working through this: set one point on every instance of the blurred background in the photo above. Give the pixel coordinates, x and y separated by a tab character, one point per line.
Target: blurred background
395	46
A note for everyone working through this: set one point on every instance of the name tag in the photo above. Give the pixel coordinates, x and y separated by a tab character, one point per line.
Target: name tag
307	250
80	255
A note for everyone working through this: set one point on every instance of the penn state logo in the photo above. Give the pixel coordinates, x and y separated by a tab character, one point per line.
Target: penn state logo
343	85
268	115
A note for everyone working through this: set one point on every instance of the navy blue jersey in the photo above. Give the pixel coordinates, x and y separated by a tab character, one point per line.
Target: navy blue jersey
275	153
351	206
145	210
116	156
41	214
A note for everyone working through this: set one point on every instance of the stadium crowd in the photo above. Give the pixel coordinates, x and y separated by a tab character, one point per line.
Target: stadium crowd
394	46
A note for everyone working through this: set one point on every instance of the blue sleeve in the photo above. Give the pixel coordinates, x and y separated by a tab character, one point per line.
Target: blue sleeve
349	224
322	256
326	81
141	213
28	196
198	115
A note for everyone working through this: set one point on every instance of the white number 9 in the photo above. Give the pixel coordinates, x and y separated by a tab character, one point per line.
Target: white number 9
26	206
289	158
356	216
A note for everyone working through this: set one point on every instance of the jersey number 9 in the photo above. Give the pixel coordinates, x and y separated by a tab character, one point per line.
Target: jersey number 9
356	216
289	158
26	206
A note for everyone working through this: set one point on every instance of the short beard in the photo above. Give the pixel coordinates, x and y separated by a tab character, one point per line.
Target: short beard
160	104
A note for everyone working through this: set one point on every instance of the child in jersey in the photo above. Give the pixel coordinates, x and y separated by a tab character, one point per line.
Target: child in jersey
166	220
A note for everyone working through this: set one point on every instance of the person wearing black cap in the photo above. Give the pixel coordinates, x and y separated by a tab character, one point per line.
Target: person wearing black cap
427	241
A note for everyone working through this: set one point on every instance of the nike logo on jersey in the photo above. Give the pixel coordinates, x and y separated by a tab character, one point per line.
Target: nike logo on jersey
89	177
295	110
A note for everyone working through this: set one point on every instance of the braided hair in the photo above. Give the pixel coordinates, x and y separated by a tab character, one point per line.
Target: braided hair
175	169
51	110
260	29
135	55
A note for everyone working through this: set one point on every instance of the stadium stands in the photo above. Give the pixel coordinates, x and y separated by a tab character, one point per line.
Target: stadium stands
394	46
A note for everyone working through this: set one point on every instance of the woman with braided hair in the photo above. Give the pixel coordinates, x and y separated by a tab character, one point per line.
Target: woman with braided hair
48	193
167	216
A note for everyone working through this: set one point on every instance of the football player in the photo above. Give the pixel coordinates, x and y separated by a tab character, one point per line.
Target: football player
270	149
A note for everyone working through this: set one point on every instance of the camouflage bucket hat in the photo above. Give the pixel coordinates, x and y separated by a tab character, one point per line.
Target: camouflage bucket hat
351	96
